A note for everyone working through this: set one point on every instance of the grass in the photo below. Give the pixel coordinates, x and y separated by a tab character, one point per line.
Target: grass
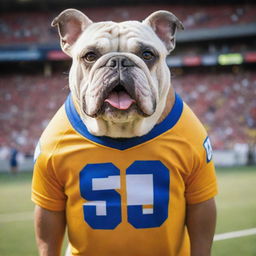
236	199
236	211
16	237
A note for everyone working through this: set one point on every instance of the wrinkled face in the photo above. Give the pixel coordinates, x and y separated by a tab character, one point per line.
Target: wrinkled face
119	71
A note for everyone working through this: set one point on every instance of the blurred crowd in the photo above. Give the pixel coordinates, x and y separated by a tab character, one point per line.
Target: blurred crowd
27	104
35	27
225	103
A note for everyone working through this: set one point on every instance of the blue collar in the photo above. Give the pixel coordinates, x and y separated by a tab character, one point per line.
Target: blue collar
124	143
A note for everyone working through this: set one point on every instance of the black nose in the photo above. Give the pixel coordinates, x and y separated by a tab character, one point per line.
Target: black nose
119	62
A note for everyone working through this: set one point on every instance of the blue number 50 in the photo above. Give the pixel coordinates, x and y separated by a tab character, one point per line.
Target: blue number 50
147	185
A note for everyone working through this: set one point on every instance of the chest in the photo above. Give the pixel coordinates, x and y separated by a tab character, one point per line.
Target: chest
137	186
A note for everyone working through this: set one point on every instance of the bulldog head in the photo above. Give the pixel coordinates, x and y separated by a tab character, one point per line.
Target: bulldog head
119	79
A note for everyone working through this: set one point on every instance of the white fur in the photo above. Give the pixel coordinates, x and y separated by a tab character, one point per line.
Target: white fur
118	39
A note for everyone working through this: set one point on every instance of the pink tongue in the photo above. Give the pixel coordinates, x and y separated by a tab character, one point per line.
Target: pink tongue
120	100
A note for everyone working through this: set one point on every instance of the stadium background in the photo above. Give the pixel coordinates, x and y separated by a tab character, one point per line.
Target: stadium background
213	69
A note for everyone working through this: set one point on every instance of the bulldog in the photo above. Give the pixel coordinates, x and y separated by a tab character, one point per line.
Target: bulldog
119	78
124	164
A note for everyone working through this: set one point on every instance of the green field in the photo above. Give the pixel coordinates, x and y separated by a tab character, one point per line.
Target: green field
236	211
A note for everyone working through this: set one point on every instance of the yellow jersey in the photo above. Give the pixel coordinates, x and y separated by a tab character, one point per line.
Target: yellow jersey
124	197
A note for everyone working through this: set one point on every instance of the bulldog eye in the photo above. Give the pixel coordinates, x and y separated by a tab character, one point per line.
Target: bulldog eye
148	55
90	56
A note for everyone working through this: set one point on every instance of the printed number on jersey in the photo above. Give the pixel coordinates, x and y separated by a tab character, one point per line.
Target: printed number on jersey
147	188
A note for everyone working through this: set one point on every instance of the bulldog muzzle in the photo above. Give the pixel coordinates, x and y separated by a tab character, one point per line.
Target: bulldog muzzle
121	86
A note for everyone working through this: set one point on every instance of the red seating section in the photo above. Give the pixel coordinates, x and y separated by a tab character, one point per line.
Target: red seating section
225	103
34	27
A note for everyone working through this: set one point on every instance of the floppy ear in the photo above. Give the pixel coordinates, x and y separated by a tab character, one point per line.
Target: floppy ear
71	23
164	24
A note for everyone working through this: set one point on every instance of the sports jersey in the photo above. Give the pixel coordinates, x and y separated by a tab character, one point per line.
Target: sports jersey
124	197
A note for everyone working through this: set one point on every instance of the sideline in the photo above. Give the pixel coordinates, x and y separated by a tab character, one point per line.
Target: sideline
235	234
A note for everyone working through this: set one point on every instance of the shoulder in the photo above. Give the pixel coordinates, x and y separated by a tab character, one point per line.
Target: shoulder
200	179
53	134
193	132
190	127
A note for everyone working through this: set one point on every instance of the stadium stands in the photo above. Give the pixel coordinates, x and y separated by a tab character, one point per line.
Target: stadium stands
224	100
225	103
35	27
27	104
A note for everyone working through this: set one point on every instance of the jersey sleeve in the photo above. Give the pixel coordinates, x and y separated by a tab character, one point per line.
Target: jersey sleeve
47	190
201	184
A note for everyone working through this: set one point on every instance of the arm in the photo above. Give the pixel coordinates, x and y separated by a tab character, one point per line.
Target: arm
49	229
201	221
